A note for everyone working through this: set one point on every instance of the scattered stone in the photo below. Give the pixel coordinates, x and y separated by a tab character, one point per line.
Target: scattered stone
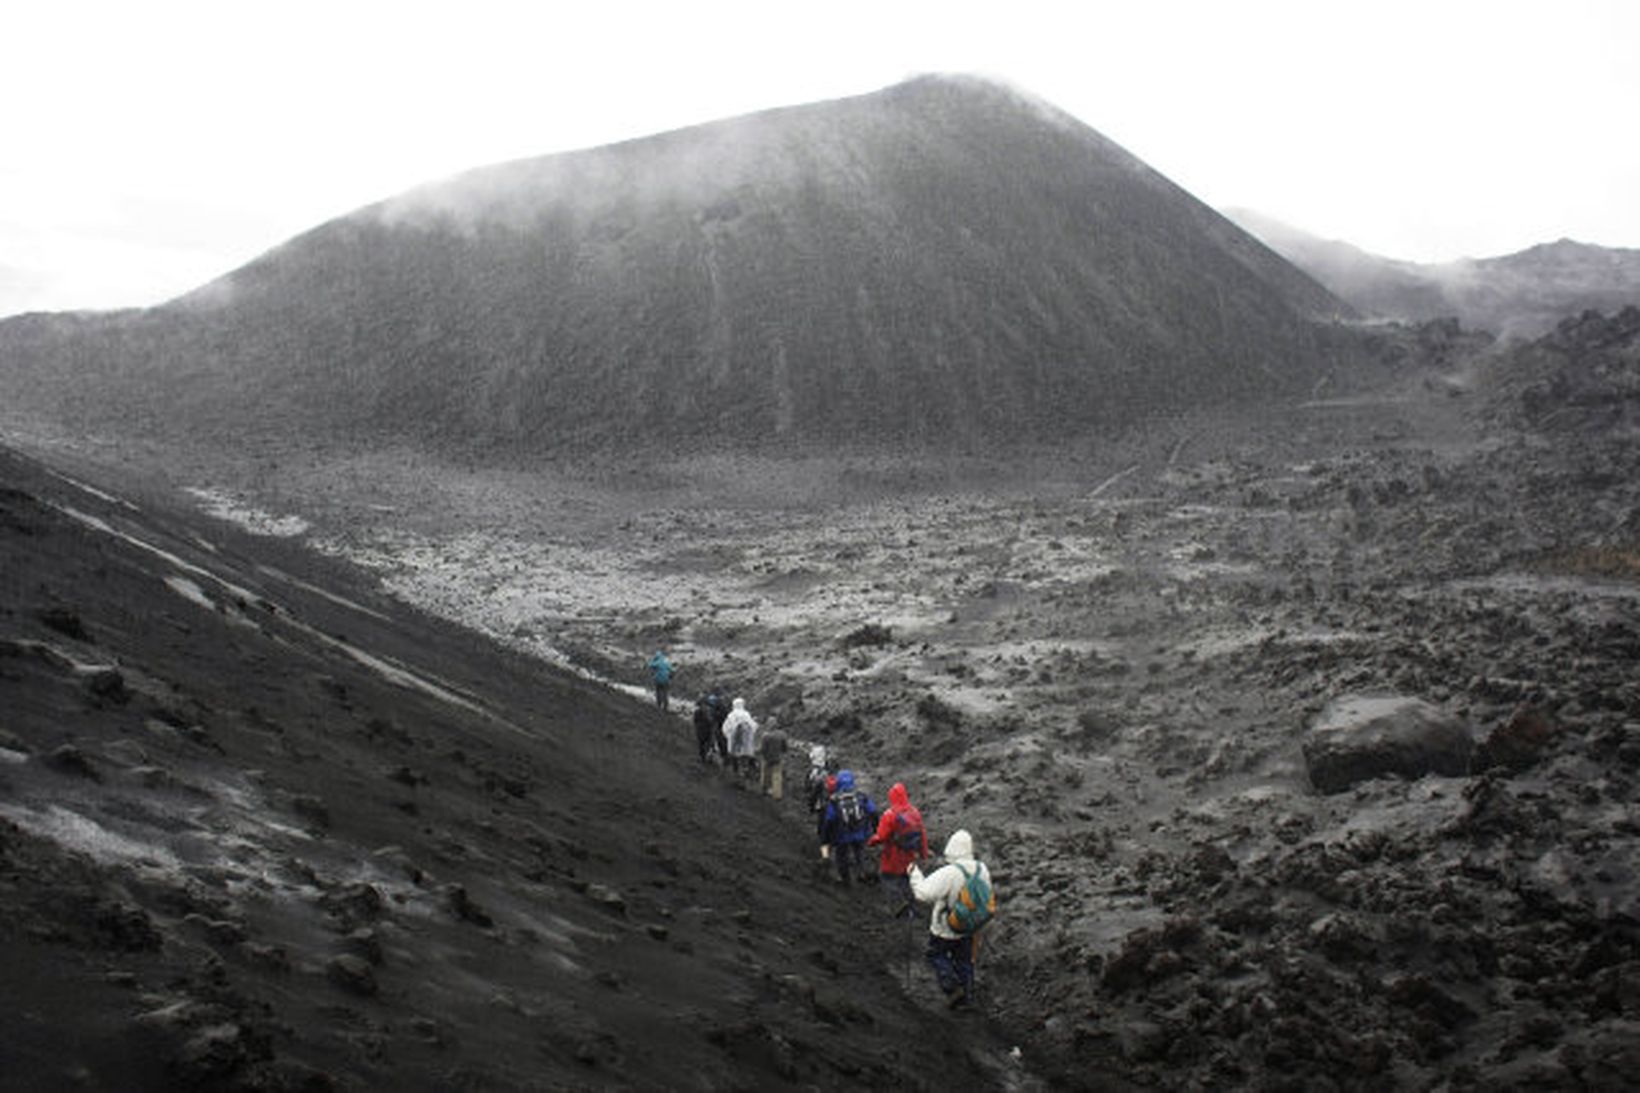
64	620
1517	743
457	899
220	931
214	1052
271	957
352	973
69	759
607	898
1142	1041
153	777
430	1031
353	904
400	860
367	943
1152	954
1429	1001
104	683
310	808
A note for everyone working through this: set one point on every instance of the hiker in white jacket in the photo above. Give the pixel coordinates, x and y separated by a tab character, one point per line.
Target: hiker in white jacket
950	953
741	731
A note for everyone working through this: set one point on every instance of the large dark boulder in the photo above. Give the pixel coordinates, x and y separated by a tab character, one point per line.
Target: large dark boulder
1359	737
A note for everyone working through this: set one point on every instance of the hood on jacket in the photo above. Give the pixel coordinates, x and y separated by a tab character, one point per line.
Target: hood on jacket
845	781
898	797
740	703
959	846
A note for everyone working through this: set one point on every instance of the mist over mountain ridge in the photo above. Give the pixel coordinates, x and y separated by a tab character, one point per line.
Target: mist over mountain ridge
1523	295
943	262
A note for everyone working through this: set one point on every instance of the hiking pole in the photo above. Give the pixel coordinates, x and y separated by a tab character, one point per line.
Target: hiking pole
973	971
910	921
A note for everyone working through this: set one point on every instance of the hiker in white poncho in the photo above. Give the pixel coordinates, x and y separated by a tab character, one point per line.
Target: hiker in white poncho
741	731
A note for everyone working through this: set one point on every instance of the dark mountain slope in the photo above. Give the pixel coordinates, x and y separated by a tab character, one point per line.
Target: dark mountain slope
941	261
262	828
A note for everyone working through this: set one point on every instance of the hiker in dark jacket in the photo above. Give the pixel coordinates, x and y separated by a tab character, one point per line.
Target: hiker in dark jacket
705	729
771	758
904	843
720	714
844	825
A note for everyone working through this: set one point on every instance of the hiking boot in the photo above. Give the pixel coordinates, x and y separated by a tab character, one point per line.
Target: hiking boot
960	999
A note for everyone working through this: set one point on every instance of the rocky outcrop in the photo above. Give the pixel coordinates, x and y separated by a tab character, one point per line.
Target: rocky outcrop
1359	737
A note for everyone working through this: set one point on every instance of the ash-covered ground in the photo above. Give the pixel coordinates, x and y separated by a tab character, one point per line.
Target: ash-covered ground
1131	675
264	828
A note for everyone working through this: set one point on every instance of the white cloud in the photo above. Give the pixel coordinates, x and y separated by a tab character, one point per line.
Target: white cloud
211	132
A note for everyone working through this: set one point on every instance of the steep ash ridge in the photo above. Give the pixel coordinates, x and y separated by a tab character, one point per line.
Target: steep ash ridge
943	262
262	828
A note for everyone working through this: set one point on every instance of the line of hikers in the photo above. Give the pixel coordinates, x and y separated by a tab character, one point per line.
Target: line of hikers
847	822
730	734
960	891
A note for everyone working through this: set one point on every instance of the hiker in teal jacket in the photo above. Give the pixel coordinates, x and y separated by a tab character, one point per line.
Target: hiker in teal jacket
661	669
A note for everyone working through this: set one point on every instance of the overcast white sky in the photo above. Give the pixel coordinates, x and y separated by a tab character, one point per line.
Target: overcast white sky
148	146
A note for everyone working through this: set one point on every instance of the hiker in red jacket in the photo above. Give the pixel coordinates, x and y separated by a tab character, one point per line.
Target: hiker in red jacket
904	842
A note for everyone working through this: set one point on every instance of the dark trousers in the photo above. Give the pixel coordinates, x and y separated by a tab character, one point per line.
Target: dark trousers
705	738
663	695
952	959
897	893
850	859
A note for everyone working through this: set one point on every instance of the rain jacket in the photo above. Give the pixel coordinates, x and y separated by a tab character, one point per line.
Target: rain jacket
661	667
902	823
943	884
740	730
832	830
816	780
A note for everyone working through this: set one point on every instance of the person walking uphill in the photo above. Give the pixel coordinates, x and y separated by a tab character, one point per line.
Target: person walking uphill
661	669
771	759
815	781
720	714
741	731
964	902
848	816
904	843
705	728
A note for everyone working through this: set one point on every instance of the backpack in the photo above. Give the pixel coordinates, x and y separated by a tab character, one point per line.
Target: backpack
908	835
973	905
850	810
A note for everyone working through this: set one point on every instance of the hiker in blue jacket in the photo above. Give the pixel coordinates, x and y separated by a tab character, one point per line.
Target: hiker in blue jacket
661	669
849	817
